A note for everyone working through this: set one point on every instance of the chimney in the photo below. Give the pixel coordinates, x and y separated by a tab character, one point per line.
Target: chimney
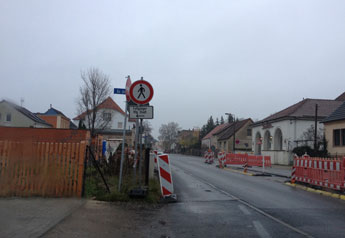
51	105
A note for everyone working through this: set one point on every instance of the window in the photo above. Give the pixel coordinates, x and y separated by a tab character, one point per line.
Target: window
336	137
8	117
249	132
343	137
107	116
119	125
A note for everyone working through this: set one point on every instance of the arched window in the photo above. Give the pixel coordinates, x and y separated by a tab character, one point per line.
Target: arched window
267	141
258	143
278	139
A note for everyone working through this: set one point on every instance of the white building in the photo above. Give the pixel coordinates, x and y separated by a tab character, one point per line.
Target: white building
110	124
12	115
278	134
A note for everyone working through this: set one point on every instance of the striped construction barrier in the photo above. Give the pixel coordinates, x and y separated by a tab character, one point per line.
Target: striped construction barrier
320	172
221	159
250	160
209	157
165	178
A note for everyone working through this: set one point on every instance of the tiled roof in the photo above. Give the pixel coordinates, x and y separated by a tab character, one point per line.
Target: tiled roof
305	109
215	130
27	113
106	104
341	97
337	115
229	131
53	112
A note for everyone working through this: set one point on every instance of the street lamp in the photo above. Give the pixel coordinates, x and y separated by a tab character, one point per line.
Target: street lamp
234	125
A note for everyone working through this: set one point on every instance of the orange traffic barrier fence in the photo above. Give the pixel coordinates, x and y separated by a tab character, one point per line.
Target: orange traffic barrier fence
251	160
320	172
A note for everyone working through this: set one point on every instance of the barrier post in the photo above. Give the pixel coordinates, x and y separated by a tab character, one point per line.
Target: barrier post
165	178
293	174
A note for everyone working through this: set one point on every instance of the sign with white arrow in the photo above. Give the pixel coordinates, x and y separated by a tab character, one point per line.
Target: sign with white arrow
141	112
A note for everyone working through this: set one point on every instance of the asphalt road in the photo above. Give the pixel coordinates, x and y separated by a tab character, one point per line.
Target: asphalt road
219	203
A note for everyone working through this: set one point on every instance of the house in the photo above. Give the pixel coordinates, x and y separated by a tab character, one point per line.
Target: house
12	115
277	135
187	139
56	118
335	131
111	124
236	137
210	140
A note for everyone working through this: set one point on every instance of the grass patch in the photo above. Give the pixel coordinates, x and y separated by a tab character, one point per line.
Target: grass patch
94	187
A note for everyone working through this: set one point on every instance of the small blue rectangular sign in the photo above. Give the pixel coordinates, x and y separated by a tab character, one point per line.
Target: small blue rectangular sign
119	91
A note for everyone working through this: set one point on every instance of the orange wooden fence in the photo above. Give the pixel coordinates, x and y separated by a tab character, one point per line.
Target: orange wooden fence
30	168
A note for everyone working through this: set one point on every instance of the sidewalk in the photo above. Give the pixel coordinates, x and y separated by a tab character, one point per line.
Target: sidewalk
277	170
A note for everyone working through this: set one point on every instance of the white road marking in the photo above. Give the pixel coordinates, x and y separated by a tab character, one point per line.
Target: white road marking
244	209
261	230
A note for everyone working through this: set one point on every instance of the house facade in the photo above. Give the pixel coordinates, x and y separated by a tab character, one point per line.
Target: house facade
110	124
12	115
278	134
56	118
335	132
236	137
210	141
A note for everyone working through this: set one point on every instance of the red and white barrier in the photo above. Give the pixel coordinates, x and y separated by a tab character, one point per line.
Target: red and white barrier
221	159
250	160
209	157
321	172
165	178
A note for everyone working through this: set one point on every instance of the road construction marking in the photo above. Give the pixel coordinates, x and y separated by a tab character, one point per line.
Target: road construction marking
244	209
261	230
250	206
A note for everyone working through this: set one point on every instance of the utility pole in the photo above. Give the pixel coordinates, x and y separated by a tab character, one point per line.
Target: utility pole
315	133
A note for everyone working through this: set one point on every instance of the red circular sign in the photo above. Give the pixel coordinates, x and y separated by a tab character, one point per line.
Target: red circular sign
128	85
141	92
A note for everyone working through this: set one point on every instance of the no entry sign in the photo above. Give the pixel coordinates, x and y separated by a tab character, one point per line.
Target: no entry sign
141	92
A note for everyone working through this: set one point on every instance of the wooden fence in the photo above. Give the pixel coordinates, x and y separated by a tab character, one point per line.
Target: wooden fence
30	168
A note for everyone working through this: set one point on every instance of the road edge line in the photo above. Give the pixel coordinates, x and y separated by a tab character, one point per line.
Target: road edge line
318	191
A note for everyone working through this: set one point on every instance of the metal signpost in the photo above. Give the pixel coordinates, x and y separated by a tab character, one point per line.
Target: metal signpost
123	91
141	92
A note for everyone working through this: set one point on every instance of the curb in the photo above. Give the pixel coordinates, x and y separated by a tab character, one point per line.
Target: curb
325	193
239	172
266	172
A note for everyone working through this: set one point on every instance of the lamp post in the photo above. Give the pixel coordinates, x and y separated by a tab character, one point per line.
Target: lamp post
234	131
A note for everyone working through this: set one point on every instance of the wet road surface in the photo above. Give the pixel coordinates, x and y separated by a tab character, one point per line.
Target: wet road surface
229	204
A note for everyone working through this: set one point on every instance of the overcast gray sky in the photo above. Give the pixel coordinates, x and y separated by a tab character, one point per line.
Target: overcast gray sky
248	57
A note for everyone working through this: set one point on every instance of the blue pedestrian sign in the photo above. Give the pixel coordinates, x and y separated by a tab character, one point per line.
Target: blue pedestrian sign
119	91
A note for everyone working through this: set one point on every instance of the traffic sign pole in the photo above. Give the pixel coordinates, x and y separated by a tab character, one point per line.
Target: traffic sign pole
123	138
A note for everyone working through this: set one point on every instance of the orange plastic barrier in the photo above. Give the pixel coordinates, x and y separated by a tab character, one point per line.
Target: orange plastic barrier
252	160
320	172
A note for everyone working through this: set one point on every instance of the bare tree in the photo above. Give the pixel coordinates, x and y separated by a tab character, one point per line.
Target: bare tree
95	90
168	134
147	127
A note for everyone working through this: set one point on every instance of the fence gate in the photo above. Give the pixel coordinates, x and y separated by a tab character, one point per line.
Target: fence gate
47	169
